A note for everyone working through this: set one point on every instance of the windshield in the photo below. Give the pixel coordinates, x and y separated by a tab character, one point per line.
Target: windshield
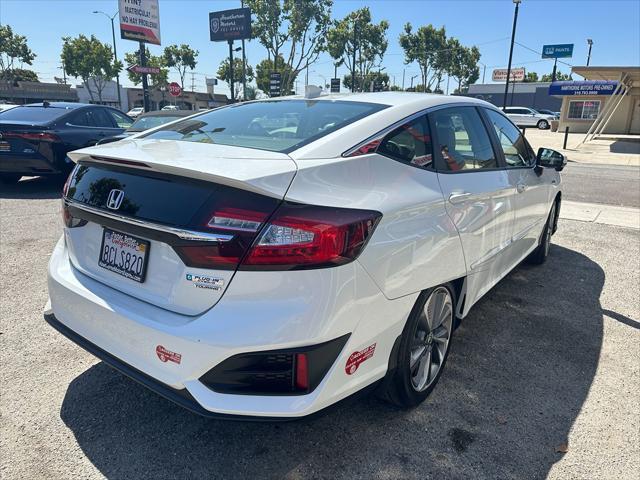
275	125
33	114
146	123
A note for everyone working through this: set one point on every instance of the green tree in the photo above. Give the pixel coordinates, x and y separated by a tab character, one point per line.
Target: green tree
19	74
531	77
13	47
464	63
89	59
368	81
428	47
157	80
224	72
180	58
266	66
559	76
369	43
293	29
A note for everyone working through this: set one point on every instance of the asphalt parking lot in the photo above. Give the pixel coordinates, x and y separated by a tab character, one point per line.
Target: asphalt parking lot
543	382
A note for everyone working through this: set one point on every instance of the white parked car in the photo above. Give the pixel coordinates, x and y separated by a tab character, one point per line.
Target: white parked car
528	117
135	111
170	107
271	258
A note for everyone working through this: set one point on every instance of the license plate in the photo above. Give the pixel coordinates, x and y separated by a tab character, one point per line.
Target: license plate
124	255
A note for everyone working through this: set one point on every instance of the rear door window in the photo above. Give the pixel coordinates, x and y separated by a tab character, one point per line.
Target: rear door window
276	125
410	143
463	140
101	118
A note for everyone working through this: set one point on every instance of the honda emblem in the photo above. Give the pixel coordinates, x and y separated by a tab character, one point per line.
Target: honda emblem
115	199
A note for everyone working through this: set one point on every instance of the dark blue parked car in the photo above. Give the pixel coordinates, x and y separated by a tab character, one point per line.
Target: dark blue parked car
35	138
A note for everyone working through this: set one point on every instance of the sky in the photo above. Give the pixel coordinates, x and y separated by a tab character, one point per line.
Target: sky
614	26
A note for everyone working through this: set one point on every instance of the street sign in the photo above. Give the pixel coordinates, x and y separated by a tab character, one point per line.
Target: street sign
335	85
587	87
174	89
275	79
228	25
139	69
500	75
140	21
564	50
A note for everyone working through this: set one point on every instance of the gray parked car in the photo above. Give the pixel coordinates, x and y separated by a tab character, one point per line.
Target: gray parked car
528	117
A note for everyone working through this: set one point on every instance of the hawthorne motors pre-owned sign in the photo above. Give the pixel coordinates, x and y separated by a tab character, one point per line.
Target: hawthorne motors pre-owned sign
140	20
586	87
230	24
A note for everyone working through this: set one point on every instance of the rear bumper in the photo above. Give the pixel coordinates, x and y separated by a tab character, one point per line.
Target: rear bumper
33	164
283	310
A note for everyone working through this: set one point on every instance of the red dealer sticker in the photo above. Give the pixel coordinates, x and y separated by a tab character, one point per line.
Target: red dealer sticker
356	358
167	355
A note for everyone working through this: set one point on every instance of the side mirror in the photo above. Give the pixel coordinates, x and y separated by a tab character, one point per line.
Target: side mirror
550	159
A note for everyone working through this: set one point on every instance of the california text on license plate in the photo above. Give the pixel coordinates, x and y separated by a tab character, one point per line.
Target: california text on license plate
124	254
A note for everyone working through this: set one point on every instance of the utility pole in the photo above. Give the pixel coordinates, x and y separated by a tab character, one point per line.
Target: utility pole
353	72
590	43
233	97
403	79
193	81
145	84
553	74
513	36
244	67
115	52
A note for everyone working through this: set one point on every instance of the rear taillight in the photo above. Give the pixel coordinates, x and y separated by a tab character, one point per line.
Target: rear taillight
307	236
38	136
294	237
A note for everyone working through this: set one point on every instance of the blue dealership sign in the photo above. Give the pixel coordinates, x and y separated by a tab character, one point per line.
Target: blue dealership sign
564	50
587	87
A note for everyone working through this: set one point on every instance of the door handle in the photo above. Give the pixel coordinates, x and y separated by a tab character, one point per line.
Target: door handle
458	197
521	187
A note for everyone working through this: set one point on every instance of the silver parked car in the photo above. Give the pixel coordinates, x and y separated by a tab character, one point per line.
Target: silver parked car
528	117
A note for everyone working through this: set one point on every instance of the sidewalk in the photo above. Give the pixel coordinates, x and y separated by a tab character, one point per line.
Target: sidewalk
606	151
606	214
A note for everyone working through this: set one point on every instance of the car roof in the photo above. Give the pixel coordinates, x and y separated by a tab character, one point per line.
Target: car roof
168	113
66	105
390	98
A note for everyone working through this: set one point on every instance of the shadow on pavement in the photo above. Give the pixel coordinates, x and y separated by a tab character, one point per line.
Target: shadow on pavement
520	369
625	146
34	188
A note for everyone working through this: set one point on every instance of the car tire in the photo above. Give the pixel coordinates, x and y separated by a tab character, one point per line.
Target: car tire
543	125
540	254
426	338
9	178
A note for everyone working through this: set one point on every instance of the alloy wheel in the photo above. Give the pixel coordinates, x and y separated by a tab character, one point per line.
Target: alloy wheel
431	339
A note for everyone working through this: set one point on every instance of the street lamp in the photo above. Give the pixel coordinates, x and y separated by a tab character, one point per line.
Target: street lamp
115	53
484	69
590	43
513	36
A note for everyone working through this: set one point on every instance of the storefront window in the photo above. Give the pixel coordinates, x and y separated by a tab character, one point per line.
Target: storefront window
584	109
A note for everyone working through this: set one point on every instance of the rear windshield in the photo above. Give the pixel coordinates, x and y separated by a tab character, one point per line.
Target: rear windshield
275	125
146	123
33	114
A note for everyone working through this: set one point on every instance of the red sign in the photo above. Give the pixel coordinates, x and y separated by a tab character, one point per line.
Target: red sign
174	89
356	358
139	69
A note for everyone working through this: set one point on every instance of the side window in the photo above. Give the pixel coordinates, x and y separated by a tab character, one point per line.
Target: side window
517	152
409	143
121	120
463	140
101	118
79	119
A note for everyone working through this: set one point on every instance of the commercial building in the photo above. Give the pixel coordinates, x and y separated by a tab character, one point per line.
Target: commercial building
521	94
186	101
109	94
34	92
607	102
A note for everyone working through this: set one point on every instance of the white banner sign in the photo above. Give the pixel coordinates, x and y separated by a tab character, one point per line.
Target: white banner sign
500	75
140	20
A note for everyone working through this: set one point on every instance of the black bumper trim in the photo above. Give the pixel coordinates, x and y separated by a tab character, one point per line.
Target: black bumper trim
181	397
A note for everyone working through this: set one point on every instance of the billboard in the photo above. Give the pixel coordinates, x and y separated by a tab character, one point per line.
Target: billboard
564	50
140	20
587	87
335	85
500	75
230	24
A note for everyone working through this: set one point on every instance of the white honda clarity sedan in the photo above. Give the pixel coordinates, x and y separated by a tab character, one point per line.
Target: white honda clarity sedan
270	258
